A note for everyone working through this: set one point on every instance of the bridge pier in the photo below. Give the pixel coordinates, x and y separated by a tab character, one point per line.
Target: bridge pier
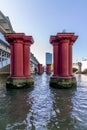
26	50
62	51
48	68
40	69
20	60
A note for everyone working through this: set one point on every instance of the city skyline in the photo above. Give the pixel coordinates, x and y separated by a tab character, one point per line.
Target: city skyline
41	19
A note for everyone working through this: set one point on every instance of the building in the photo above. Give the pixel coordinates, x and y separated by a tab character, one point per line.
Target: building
33	64
5	24
4	48
5	28
48	58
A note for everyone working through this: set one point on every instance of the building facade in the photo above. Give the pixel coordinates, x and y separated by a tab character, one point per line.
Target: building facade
48	58
6	28
33	64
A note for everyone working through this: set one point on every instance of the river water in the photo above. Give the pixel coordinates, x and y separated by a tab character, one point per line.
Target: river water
43	107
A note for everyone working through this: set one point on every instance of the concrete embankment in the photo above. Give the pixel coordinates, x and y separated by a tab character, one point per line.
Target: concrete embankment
5	70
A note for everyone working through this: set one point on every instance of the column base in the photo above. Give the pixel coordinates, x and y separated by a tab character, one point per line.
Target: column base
17	83
63	82
48	73
40	73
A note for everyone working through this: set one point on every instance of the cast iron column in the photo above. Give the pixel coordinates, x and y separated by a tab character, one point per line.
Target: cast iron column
28	40
55	44
70	58
40	69
16	42
64	58
48	68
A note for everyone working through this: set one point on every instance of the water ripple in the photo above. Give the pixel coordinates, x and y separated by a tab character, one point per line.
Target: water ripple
44	108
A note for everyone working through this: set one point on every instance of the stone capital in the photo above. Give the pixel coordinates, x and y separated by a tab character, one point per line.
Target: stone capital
15	37
53	39
63	41
28	40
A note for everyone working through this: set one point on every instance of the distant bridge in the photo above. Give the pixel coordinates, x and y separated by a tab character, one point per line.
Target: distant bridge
77	66
80	66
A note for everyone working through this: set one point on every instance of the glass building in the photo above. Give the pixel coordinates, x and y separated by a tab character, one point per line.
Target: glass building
48	58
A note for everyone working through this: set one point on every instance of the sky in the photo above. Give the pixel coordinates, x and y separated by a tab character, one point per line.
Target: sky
43	18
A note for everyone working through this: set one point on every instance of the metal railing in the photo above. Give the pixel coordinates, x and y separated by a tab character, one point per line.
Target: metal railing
4	62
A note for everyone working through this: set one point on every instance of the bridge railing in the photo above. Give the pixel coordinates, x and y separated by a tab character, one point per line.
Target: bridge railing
4	63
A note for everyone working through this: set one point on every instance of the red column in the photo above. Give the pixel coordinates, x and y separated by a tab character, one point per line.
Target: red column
12	60
48	68
18	58
16	42
55	58
70	58
54	41
26	55
40	69
64	58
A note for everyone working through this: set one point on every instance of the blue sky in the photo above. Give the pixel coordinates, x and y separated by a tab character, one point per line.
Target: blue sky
42	18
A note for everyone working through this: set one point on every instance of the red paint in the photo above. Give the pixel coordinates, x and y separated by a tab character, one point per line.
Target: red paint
16	43
62	51
63	56
56	58
70	59
48	68
20	54
18	58
55	55
28	40
40	68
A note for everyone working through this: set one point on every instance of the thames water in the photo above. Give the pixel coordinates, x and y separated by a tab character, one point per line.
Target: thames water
42	107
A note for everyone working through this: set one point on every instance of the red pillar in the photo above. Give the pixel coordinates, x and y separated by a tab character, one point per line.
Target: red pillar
55	44
28	40
55	58
64	58
62	52
20	61
63	65
48	68
18	58
12	60
70	58
16	42
40	69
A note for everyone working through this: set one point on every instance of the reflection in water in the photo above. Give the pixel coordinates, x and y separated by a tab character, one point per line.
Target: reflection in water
41	109
62	109
78	77
3	79
44	108
13	110
14	106
80	104
18	108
